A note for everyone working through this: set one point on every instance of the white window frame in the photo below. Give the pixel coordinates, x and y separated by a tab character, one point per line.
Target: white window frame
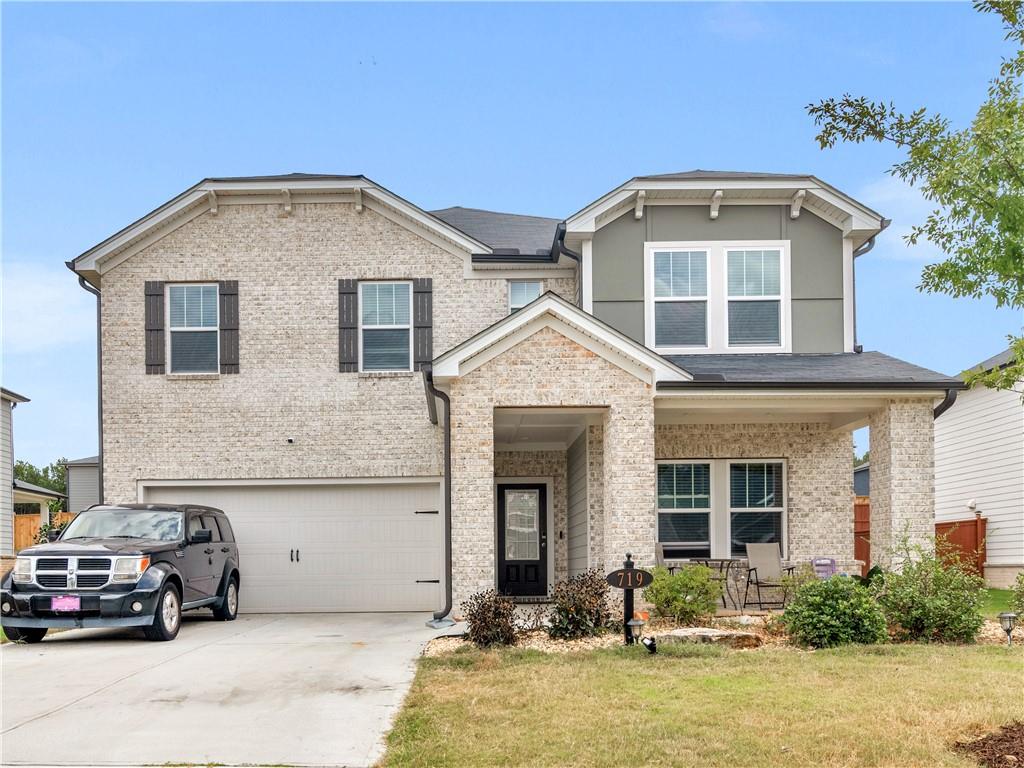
718	295
709	510
511	307
706	299
720	512
408	326
186	329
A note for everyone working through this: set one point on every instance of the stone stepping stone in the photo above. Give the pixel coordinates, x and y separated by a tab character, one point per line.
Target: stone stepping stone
727	637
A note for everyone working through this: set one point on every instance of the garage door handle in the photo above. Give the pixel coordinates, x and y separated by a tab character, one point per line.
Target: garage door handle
296	555
291	555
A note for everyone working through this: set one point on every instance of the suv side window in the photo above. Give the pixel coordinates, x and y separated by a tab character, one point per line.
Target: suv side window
210	523
226	533
194	524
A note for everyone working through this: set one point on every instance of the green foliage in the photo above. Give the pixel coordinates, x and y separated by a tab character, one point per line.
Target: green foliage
858	460
491	619
875	573
580	606
1017	599
836	611
973	175
688	595
934	596
53	476
44	531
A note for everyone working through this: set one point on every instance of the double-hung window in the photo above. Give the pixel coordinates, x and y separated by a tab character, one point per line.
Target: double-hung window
521	293
385	326
680	298
193	328
756	504
755	297
684	509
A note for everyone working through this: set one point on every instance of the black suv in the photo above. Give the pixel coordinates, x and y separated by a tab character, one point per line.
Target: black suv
133	565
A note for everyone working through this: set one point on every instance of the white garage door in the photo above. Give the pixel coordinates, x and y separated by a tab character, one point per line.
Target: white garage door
307	548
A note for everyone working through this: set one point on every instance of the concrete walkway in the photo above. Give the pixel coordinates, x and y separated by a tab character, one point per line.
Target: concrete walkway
307	690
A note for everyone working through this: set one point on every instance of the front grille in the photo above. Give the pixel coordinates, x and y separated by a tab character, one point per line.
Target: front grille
52	580
52	564
93	564
91	580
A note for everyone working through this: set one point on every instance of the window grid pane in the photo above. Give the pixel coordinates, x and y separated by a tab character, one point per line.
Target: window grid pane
680	274
522	292
193	306
754	322
194	352
684	486
385	303
385	349
755	486
754	273
680	324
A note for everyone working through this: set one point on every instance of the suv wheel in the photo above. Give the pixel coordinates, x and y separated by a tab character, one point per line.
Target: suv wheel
167	620
25	634
228	608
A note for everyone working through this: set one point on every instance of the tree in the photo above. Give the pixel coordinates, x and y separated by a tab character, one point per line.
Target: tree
858	460
53	476
974	175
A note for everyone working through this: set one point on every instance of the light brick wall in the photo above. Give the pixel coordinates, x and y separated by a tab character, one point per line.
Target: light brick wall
819	466
902	478
544	464
549	370
236	426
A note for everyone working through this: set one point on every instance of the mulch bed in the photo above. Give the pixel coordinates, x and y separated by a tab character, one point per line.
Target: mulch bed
1001	749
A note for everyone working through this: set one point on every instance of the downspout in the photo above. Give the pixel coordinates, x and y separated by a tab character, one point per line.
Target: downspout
99	374
945	405
864	248
441	619
559	246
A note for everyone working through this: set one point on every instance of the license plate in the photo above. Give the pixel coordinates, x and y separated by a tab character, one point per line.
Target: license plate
65	603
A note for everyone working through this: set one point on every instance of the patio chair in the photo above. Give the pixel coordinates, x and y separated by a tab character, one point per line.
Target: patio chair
671	564
764	569
824	567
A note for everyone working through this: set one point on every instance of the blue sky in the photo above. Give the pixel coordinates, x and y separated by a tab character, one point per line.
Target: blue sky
109	110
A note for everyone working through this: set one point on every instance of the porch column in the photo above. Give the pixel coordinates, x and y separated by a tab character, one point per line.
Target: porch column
473	531
902	478
630	478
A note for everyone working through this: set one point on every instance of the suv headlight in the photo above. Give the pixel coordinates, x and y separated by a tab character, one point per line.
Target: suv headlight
130	569
23	570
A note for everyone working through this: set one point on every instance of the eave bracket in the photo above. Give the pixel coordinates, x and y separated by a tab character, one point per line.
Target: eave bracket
287	201
638	212
716	200
798	201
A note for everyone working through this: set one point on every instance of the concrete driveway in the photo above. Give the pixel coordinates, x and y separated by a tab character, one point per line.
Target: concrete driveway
310	689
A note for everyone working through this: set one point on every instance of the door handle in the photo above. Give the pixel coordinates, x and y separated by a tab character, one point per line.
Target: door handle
291	555
296	555
208	550
225	549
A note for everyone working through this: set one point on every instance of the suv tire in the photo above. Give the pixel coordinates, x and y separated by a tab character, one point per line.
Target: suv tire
228	608
167	619
25	634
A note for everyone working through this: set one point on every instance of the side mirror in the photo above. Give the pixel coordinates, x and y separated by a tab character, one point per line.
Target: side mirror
202	536
53	535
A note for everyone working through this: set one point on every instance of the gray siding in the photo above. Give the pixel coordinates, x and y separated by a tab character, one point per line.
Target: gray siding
816	253
576	459
83	487
6	480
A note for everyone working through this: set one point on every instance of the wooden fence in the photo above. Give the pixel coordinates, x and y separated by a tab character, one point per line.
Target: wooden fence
964	538
26	528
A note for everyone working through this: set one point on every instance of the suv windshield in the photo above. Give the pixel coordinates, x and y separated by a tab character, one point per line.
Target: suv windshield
125	524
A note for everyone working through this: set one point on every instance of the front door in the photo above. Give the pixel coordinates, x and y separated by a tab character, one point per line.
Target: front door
522	539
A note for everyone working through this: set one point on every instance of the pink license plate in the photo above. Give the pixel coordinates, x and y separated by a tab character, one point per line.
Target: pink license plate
65	603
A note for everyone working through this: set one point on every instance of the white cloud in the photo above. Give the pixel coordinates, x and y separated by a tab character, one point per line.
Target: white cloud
907	208
44	308
739	22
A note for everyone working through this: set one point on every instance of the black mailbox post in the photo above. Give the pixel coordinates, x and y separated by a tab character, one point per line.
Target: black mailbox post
628	578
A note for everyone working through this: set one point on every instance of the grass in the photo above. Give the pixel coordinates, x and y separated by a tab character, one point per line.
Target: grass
889	705
996	601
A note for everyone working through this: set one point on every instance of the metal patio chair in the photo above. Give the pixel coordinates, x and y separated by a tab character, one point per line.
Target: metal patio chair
765	569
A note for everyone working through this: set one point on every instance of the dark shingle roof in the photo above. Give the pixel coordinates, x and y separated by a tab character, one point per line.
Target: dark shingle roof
21	485
87	461
996	361
702	174
808	369
289	177
510	233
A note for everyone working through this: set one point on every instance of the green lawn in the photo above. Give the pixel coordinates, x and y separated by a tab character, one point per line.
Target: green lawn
863	706
996	601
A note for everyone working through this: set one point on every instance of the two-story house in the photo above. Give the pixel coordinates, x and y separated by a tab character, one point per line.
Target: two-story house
403	407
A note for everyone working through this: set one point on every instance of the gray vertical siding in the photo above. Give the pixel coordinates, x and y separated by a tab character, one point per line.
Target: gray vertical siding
816	254
576	459
83	487
6	480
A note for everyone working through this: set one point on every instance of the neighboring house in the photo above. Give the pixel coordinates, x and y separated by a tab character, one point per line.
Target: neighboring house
862	479
32	499
83	483
340	370
979	459
9	400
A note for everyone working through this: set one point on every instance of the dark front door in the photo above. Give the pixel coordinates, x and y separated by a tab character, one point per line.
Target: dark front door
522	539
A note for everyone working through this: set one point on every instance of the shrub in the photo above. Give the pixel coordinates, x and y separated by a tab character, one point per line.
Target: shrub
580	606
933	597
491	619
834	611
687	595
1017	597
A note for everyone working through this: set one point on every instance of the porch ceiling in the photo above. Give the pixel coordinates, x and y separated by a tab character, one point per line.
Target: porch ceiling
540	429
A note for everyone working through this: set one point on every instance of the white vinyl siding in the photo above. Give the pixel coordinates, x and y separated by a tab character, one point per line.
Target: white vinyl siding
83	487
576	468
6	479
979	455
385	326
193	329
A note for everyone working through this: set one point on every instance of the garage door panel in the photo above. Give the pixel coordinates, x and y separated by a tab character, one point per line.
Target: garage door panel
358	547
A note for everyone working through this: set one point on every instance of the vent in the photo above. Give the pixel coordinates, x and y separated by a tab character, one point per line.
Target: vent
91	580
52	564
93	564
52	580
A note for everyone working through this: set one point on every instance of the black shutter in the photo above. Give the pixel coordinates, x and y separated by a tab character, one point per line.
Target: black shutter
348	326
228	292
155	346
422	323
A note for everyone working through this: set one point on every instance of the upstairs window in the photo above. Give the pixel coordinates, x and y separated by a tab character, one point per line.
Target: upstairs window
193	328
755	298
680	298
385	326
521	293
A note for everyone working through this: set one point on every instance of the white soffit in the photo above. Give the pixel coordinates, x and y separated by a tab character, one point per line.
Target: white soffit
551	311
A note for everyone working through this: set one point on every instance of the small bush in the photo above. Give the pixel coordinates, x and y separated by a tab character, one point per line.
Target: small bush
835	611
688	595
1017	596
933	597
491	619
580	606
